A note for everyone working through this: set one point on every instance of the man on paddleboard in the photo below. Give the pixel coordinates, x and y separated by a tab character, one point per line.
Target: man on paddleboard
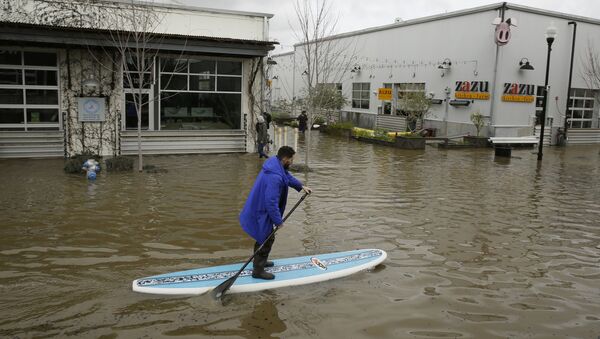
265	206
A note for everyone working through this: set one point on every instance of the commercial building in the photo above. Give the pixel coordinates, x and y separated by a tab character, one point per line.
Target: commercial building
69	86
489	59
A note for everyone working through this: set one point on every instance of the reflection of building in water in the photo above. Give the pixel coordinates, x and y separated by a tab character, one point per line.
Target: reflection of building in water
285	136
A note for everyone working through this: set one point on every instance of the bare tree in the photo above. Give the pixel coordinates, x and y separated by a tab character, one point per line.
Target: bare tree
133	30
414	106
326	60
591	67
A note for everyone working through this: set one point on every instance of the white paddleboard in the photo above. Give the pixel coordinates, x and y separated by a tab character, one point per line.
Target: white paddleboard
288	272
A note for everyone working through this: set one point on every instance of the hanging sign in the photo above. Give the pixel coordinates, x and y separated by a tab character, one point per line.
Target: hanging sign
91	109
518	92
384	94
477	90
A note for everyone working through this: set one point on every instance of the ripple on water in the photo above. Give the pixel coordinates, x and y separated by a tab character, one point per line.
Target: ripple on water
484	248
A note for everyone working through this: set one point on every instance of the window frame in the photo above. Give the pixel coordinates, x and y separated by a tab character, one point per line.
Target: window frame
360	94
23	87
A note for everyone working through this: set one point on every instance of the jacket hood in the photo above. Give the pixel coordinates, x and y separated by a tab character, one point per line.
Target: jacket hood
273	166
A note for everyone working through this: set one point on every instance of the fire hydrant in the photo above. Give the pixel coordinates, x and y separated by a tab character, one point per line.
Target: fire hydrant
91	166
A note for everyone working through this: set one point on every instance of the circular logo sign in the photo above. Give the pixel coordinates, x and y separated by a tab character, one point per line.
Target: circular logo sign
91	106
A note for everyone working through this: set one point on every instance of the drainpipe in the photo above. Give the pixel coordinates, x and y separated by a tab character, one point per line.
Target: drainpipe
567	109
265	28
294	82
495	76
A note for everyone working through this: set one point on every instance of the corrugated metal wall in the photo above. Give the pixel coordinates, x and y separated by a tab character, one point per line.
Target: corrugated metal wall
391	122
42	144
583	136
547	134
184	142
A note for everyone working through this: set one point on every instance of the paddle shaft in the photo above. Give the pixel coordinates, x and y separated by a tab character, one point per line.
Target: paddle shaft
227	283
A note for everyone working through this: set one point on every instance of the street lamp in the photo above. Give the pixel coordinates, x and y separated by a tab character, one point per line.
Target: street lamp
550	36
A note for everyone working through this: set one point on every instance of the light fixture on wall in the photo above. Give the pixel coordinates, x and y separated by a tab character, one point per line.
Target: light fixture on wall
355	69
305	72
446	64
525	65
90	83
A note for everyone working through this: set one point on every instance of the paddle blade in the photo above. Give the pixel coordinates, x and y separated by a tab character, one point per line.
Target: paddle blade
220	290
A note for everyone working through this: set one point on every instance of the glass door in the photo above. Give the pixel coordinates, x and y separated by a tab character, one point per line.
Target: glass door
130	120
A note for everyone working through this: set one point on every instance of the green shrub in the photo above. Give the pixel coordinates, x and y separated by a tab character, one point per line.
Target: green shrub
119	164
382	134
319	120
75	163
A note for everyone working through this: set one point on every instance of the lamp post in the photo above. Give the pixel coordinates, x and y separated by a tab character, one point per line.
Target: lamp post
550	36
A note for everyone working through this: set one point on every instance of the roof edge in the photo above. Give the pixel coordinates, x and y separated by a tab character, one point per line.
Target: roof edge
459	13
190	8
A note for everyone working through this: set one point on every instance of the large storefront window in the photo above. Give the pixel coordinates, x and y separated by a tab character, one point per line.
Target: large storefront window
28	90
200	94
361	95
581	109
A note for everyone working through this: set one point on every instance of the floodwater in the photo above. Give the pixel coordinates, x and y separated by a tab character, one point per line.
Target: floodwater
477	247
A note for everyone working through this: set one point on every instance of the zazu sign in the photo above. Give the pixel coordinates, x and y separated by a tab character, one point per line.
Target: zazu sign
384	94
518	93
478	90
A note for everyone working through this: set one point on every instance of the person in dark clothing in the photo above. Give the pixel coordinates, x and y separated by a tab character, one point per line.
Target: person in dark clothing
262	136
264	208
268	119
302	120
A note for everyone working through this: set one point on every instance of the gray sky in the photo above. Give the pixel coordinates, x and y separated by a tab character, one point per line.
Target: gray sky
359	14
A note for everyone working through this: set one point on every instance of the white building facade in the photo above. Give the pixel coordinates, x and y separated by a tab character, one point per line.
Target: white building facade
455	60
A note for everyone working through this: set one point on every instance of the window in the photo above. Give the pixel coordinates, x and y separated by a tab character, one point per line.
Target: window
402	90
361	95
134	78
200	94
29	97
581	108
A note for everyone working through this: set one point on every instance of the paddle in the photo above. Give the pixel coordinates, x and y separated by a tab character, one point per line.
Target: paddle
224	286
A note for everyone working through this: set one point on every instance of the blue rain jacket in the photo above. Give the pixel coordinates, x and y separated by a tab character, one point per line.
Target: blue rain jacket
266	201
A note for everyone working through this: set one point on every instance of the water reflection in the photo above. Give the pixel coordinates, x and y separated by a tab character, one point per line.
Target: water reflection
477	247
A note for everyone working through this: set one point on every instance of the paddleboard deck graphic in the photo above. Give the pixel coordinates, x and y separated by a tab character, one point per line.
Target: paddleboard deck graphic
288	272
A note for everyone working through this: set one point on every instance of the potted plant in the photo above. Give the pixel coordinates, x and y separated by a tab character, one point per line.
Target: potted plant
477	141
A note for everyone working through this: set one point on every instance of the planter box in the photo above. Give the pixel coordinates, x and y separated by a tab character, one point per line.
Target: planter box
503	151
476	141
410	143
340	132
375	141
404	143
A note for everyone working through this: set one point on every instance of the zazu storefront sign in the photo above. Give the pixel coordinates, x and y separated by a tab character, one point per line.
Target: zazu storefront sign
384	94
478	90
518	93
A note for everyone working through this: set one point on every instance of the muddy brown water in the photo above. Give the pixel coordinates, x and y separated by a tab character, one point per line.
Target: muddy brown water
478	247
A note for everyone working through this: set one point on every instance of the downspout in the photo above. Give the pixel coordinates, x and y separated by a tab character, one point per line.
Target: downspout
294	82
495	76
567	109
265	28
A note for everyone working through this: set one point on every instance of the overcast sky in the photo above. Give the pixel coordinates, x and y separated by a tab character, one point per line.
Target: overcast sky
359	14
